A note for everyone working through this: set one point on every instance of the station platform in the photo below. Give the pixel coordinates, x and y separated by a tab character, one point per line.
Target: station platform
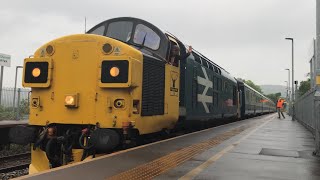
9	123
263	147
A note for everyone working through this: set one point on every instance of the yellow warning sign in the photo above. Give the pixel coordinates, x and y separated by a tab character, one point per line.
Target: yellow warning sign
174	85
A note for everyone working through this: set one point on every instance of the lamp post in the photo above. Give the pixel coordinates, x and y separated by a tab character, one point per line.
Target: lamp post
292	94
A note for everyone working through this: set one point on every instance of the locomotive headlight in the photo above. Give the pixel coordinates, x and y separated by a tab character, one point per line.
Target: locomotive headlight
71	100
114	71
36	72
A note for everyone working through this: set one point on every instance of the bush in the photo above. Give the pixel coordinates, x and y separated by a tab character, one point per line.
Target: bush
24	107
6	113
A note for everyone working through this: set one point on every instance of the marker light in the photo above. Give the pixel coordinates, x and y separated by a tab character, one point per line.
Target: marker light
71	100
114	71
36	72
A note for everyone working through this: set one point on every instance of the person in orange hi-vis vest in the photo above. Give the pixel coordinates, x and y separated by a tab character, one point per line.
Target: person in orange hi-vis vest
280	104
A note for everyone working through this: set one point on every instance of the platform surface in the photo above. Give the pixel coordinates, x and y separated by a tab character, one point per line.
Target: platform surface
5	123
264	147
280	149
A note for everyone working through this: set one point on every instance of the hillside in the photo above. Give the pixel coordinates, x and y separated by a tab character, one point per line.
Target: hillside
271	89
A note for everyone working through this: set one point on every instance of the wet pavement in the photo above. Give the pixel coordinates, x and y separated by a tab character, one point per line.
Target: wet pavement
280	149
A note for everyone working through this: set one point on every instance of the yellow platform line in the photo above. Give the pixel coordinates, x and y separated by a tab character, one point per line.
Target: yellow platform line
193	173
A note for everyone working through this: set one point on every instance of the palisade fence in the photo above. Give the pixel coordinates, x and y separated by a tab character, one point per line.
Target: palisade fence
304	108
14	104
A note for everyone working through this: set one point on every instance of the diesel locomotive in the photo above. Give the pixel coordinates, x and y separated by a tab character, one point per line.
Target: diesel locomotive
94	92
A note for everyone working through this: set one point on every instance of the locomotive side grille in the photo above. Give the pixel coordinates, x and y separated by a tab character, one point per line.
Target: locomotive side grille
153	87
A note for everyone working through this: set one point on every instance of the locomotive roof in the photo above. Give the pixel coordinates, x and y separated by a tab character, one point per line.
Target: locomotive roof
164	41
159	52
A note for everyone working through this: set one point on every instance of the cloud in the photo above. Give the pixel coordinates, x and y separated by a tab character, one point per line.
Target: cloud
245	37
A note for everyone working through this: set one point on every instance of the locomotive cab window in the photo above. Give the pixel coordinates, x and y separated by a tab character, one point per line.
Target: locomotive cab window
99	30
145	36
120	30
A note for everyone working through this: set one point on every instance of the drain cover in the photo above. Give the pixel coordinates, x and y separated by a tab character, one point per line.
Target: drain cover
279	152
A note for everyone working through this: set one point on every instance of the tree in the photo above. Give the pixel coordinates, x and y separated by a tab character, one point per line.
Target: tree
254	86
304	87
274	97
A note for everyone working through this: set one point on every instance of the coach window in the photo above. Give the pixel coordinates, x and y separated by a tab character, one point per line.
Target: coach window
147	37
120	30
99	30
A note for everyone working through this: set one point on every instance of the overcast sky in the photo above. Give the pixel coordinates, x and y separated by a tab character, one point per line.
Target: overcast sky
245	37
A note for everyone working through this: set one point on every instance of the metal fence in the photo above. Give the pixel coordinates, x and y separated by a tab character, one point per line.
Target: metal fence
305	110
14	104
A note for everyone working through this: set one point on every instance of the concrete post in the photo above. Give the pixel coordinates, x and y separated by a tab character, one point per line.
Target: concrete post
18	106
15	89
1	81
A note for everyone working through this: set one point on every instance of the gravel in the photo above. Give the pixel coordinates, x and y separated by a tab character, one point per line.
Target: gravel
14	174
13	149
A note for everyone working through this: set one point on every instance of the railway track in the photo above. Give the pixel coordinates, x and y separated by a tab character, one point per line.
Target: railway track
14	162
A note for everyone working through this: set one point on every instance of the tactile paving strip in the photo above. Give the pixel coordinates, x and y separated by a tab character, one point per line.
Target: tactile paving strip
160	165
